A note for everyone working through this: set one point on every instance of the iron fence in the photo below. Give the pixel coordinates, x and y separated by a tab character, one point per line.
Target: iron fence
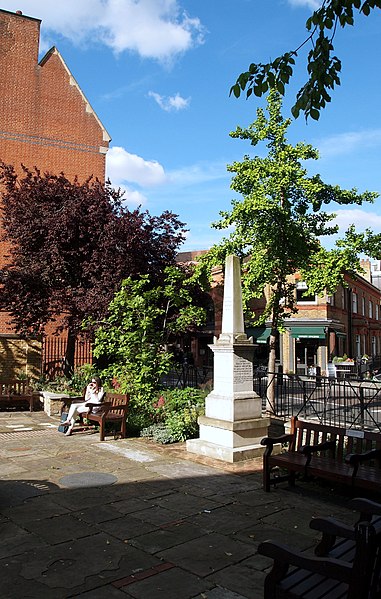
185	375
351	404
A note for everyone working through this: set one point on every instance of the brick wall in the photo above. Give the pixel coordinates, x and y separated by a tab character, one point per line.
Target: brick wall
45	119
18	356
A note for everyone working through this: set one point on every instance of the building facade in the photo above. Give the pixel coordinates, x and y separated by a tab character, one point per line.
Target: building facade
325	329
46	122
345	324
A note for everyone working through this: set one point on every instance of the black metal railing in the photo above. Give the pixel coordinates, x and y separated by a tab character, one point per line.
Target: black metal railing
354	404
184	375
345	403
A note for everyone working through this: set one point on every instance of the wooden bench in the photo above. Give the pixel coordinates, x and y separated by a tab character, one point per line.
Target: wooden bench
350	457
113	410
349	568
15	392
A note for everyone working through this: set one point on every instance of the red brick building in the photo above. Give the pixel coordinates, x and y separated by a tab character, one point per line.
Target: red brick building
47	122
324	328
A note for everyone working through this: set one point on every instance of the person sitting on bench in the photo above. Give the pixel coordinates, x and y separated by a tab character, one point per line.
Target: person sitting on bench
94	395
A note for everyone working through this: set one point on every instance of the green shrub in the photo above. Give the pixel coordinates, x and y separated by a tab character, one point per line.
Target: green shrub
159	433
175	415
83	375
70	386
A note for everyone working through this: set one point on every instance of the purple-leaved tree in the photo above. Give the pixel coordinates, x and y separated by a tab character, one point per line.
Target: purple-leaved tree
69	246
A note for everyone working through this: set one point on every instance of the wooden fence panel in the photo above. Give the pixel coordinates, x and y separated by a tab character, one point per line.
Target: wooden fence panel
53	354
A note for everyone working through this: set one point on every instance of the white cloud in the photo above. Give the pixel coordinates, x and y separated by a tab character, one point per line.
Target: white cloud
170	103
360	218
199	173
132	197
313	4
201	239
123	167
347	217
157	29
345	143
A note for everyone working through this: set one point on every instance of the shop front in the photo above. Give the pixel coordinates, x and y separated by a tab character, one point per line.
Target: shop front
309	346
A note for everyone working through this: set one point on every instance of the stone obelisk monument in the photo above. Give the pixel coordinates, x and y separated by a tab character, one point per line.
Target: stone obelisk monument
233	425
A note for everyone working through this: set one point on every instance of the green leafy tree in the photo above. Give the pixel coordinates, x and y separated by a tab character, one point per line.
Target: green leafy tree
323	65
140	323
278	224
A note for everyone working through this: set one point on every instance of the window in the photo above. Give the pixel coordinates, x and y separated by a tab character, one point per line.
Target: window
302	294
374	347
358	346
363	305
370	309
354	302
377	311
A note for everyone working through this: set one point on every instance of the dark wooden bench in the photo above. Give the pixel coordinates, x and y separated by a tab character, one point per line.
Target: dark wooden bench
346	562
15	392
113	410
350	457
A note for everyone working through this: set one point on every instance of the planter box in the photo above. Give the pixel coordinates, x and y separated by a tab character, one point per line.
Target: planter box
55	402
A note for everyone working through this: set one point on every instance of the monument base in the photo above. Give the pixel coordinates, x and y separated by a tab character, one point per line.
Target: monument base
230	441
225	454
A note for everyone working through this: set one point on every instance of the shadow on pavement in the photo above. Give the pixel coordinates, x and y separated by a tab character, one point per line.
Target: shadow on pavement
172	536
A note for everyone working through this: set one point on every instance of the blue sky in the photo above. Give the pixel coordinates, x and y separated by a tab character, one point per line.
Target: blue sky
158	74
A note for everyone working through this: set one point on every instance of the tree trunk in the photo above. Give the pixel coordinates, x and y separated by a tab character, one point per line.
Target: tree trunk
270	395
68	365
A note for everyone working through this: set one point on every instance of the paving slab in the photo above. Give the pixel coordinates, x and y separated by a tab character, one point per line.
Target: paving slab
59	529
15	540
70	564
219	593
105	592
168	537
170	584
126	528
209	553
151	521
241	579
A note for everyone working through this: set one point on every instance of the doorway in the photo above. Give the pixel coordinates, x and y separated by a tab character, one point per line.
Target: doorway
305	355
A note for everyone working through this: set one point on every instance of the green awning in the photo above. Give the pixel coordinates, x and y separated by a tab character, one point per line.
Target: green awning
308	332
260	334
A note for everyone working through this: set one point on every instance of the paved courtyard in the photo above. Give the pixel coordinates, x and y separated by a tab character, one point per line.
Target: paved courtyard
129	518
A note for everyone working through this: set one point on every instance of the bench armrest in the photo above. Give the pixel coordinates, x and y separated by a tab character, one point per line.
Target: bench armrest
333	527
285	556
310	449
366	507
105	407
269	442
355	459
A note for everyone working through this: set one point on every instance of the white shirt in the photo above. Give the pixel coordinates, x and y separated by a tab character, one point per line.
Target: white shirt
94	396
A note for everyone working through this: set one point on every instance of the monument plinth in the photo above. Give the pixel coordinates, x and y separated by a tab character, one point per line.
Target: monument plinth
233	425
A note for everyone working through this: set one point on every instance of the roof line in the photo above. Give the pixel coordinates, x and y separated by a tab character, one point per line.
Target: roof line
73	81
19	14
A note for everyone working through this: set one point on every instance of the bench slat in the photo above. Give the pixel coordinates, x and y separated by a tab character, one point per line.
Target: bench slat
115	411
328	463
295	575
13	392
